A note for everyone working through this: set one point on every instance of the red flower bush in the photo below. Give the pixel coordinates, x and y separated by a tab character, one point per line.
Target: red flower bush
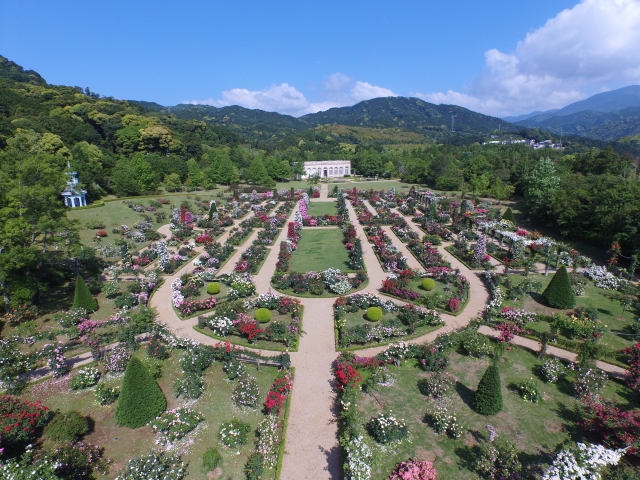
19	421
633	374
204	239
508	331
347	376
454	304
278	392
615	428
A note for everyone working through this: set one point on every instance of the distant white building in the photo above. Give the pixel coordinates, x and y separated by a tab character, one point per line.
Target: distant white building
327	168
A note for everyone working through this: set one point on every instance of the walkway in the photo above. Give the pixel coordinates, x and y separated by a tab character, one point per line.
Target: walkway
533	345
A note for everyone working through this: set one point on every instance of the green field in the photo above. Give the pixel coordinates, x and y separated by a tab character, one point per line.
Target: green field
617	334
319	249
116	213
538	439
322	208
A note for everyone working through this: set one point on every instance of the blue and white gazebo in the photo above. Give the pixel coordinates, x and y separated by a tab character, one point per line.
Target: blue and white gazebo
73	196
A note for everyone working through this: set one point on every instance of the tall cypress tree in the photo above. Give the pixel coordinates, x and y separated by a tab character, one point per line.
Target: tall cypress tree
82	297
141	399
559	292
488	397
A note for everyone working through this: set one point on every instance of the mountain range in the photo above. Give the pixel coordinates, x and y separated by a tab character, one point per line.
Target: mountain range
404	113
607	116
375	122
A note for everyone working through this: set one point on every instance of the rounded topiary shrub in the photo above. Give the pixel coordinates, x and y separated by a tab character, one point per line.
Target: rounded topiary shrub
211	459
82	297
213	288
374	314
428	284
488	397
559	293
141	399
263	315
66	427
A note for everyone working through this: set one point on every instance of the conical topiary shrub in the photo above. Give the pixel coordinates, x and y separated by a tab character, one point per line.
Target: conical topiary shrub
559	293
83	298
488	397
508	215
141	399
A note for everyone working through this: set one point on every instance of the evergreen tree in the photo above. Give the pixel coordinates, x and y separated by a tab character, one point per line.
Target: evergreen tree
488	397
508	215
141	399
83	298
559	293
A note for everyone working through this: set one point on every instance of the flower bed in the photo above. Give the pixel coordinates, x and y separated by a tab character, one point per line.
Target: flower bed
475	256
388	254
452	298
330	282
426	254
236	322
353	328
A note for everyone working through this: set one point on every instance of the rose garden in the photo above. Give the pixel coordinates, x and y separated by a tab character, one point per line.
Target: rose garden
307	333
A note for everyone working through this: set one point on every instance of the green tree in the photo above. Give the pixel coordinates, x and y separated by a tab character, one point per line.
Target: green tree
141	399
172	182
539	187
142	172
559	293
488	397
226	172
498	189
257	173
83	298
32	214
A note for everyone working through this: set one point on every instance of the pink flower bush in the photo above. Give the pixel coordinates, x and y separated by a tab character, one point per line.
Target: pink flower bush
414	470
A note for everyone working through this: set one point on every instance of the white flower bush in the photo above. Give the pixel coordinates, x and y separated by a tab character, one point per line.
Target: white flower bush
359	459
582	462
267	444
176	295
220	325
603	278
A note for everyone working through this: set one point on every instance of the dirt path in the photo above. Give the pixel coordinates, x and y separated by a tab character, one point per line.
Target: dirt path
263	279
311	449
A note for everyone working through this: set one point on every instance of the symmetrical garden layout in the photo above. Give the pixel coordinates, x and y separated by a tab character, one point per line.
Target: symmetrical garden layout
361	334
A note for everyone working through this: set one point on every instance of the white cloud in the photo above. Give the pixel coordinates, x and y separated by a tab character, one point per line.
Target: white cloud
338	90
581	51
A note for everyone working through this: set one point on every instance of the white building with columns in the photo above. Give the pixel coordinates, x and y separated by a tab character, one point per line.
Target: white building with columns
327	168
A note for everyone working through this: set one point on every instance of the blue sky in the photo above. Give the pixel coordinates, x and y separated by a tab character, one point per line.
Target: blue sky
496	57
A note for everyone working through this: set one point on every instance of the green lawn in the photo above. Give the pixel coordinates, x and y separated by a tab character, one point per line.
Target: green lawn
318	250
115	213
554	417
121	443
322	208
617	332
